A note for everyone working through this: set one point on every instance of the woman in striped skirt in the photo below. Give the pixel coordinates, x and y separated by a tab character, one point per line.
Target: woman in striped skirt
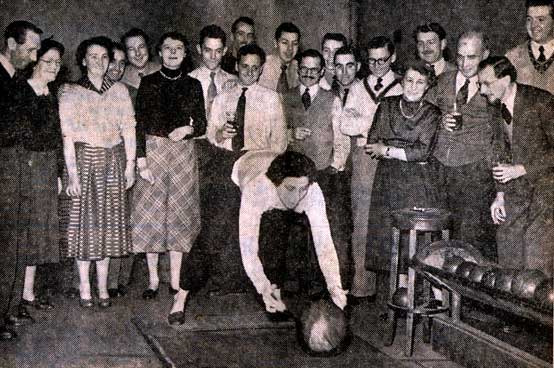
98	128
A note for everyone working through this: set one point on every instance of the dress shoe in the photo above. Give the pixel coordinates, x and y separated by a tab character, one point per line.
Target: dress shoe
149	294
40	304
114	293
176	318
353	300
279	316
122	290
171	290
6	334
72	293
104	302
19	320
86	303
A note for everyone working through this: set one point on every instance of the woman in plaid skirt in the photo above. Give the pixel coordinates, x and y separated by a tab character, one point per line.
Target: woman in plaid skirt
166	213
98	128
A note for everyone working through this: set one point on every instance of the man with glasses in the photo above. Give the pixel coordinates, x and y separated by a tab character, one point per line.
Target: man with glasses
21	44
465	151
523	207
430	41
356	118
281	69
314	130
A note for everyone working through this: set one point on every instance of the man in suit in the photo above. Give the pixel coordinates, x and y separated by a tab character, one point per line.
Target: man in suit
465	152
315	131
534	58
430	41
281	69
356	118
330	43
243	32
21	43
524	203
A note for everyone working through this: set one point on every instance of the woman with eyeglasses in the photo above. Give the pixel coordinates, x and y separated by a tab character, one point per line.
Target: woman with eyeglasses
166	209
37	126
401	139
98	128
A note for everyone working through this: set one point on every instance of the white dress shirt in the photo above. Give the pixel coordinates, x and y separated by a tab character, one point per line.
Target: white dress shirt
259	196
385	81
264	121
439	66
7	65
272	72
548	49
221	79
472	88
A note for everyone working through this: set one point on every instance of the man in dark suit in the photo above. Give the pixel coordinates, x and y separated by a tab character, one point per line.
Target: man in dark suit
314	130
21	43
524	204
464	152
430	41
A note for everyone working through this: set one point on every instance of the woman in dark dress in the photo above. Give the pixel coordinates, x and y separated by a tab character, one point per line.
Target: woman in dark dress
36	121
401	138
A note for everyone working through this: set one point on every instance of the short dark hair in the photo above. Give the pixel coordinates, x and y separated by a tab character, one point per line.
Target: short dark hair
83	47
379	42
348	50
430	27
47	45
550	3
135	32
251	49
120	47
18	31
174	35
339	37
422	68
245	20
290	164
313	53
212	31
501	66
286	27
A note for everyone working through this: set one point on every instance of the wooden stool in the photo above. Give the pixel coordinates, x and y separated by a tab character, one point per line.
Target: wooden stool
425	220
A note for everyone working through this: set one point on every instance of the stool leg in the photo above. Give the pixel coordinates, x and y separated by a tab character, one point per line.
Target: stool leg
426	319
456	306
445	235
392	285
411	296
391	328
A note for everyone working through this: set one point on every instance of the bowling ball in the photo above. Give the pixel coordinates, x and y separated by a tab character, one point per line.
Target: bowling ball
323	328
452	263
504	279
400	297
526	281
489	277
544	293
476	274
465	268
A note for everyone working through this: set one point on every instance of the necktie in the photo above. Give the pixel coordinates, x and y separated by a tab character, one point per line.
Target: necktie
282	84
461	97
506	114
344	97
306	99
238	140
212	92
379	84
335	87
432	67
542	57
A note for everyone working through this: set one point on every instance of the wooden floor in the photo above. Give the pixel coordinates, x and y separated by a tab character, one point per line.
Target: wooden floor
70	336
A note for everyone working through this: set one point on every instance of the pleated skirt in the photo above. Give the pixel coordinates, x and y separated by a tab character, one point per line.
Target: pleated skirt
98	226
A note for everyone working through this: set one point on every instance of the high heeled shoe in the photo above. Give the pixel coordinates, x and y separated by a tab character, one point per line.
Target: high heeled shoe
104	302
86	303
40	304
149	294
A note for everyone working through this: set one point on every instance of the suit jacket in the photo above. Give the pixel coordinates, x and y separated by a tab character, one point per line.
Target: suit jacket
7	87
482	125
533	133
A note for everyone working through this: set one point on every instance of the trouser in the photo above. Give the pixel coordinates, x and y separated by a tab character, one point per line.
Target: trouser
525	239
120	271
363	173
336	191
469	191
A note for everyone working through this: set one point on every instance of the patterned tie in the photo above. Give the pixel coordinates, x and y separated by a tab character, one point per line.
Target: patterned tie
461	97
238	140
344	97
506	115
306	99
542	58
212	92
282	84
379	84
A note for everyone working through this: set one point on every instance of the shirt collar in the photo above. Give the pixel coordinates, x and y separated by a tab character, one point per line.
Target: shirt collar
204	70
7	65
313	90
39	91
548	48
324	84
386	79
509	97
86	83
439	66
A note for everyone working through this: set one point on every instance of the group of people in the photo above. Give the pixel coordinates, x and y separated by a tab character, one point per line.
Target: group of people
280	169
